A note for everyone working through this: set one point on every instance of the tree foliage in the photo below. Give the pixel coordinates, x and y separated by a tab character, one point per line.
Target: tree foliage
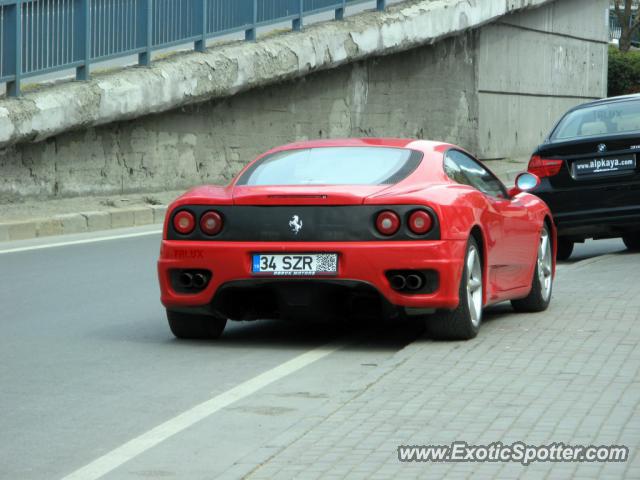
624	72
629	23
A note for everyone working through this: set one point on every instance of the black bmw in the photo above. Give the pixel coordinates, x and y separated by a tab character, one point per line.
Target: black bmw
590	176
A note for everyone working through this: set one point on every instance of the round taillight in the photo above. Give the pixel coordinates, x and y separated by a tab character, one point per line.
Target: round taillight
387	222
420	222
184	222
211	223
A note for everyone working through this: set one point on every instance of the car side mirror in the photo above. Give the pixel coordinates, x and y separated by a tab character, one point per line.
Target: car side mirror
525	182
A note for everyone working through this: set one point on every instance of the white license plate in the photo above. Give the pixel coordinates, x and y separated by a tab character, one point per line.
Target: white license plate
604	166
292	264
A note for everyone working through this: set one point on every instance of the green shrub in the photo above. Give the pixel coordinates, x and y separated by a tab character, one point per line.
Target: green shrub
624	72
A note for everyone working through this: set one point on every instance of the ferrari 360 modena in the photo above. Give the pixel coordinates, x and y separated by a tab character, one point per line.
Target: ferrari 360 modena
356	227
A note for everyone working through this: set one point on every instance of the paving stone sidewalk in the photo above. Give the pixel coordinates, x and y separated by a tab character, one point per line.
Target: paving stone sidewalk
571	375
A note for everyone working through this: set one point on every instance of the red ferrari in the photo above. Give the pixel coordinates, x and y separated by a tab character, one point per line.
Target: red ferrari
356	227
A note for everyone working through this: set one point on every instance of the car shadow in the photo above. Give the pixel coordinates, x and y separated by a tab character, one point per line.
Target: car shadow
363	334
497	312
595	248
493	313
371	334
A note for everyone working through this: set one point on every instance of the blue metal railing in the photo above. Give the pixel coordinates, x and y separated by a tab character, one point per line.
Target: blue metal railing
615	30
42	36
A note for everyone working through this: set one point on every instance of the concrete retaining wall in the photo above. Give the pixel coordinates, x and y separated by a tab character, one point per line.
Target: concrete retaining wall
533	66
428	69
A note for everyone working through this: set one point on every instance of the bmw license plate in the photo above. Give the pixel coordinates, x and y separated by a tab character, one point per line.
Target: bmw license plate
604	166
293	264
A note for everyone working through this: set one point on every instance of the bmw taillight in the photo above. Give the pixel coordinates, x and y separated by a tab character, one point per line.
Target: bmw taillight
387	222
544	167
211	222
184	222
420	222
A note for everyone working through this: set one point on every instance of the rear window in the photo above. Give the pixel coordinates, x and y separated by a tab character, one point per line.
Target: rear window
618	117
333	166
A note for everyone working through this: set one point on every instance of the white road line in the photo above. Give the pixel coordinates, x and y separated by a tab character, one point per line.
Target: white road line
122	454
79	242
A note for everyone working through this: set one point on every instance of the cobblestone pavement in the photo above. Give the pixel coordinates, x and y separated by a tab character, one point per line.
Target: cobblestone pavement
569	375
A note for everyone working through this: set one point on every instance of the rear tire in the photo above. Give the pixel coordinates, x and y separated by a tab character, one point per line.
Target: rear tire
542	282
632	241
463	323
193	326
565	249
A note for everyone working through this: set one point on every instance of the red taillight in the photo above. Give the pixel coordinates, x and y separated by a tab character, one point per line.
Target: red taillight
387	222
211	223
184	222
544	167
420	222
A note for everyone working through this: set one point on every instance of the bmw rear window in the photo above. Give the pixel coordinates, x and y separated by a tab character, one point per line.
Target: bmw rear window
606	119
333	166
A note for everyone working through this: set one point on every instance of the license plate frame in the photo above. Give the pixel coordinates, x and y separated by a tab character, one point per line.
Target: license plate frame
313	264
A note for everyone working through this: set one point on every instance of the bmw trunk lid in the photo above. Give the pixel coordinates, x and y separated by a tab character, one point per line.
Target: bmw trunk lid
595	174
610	160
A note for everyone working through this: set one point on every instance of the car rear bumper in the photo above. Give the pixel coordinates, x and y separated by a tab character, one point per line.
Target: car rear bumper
606	222
602	213
358	263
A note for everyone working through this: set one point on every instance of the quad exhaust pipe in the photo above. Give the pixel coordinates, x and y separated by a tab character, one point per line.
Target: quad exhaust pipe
199	280
186	279
398	282
191	280
406	281
414	282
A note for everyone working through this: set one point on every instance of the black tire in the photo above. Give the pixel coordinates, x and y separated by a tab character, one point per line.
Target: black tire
192	326
457	324
565	249
632	241
538	299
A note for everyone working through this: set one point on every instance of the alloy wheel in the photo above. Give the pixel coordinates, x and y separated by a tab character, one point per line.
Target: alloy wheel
545	270
474	285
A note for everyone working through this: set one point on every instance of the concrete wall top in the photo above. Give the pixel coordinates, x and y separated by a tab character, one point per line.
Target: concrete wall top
225	70
584	19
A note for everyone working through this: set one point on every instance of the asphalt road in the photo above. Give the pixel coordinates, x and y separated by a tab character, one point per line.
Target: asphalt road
87	363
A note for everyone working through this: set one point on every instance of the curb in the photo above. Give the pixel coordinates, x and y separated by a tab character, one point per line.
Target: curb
82	222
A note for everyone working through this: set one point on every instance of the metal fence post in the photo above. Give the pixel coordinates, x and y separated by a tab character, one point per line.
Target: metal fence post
144	58
13	87
340	10
297	22
250	33
201	44
83	39
381	4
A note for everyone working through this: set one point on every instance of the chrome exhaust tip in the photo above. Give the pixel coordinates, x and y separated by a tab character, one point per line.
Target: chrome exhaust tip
398	282
185	279
199	280
414	282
